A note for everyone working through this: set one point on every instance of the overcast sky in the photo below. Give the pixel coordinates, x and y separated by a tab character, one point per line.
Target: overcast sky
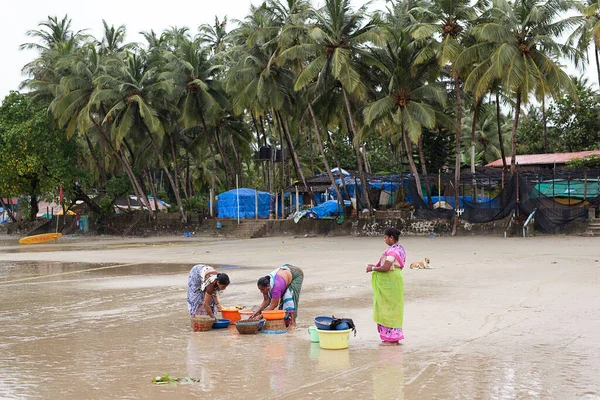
19	16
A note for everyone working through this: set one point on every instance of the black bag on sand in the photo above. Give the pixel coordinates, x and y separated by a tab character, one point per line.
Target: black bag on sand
337	321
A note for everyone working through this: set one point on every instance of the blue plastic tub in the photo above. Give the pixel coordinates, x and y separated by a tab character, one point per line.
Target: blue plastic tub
221	323
323	323
342	327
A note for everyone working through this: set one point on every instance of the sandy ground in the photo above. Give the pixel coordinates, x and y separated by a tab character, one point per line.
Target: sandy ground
496	318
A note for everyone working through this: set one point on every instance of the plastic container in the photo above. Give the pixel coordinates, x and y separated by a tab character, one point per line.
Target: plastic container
273	314
221	323
334	340
323	323
232	314
246	314
314	334
342	327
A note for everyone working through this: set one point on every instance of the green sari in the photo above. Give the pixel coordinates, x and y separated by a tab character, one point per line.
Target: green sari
388	298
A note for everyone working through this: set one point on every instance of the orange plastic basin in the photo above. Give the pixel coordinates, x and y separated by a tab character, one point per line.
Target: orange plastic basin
232	314
273	314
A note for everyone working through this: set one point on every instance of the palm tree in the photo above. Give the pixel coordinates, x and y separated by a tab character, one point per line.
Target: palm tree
448	20
587	33
524	52
132	88
337	35
409	98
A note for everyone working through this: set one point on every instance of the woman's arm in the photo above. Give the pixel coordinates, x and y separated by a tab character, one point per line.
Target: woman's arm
207	306
262	306
274	304
382	268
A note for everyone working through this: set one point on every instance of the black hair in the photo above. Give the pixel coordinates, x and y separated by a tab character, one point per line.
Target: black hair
392	232
223	279
264	281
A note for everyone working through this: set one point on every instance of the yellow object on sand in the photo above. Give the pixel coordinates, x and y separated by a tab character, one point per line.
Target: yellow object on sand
45	237
334	340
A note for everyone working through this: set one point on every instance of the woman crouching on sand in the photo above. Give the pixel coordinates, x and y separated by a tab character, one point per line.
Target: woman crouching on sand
388	289
281	290
204	286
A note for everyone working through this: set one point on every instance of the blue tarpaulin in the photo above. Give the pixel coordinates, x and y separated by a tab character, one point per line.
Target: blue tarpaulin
327	209
227	204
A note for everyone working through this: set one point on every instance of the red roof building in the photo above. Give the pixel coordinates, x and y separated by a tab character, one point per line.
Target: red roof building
544	160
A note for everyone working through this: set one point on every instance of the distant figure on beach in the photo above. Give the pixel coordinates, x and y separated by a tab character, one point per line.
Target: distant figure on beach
204	286
388	289
281	290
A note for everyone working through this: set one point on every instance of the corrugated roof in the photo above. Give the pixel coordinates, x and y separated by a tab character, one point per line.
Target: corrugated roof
544	159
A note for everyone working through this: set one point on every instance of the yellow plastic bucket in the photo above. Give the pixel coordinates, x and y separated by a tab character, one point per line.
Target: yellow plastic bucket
334	340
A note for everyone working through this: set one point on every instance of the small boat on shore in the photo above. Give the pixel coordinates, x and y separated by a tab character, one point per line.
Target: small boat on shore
43	238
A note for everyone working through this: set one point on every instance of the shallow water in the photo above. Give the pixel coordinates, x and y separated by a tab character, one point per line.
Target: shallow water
83	330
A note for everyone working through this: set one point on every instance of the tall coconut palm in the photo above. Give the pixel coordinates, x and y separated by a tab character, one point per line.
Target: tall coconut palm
587	33
337	36
133	87
409	95
447	20
523	37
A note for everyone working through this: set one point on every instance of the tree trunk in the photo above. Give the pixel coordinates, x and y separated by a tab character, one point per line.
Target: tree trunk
98	162
365	158
322	151
178	176
282	169
411	161
259	144
473	129
361	171
297	164
128	170
337	164
152	188
500	139
545	122
424	169
214	159
228	169
310	151
513	158
237	162
457	152
597	60
33	201
161	160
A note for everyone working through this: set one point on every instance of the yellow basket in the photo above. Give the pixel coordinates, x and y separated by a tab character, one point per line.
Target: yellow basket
334	340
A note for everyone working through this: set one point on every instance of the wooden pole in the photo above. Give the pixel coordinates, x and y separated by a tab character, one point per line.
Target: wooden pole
584	184
256	203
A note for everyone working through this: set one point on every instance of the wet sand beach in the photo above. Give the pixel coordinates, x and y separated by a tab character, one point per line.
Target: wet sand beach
99	317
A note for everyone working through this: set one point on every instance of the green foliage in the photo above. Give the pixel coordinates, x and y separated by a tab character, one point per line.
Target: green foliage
573	123
585	162
166	379
34	157
577	119
196	204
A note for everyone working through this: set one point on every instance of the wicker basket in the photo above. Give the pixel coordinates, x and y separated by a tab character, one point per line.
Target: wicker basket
247	327
202	324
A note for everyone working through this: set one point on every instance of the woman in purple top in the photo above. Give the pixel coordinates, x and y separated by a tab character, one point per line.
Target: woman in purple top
281	290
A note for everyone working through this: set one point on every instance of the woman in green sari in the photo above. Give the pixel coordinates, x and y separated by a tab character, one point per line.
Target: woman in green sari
388	289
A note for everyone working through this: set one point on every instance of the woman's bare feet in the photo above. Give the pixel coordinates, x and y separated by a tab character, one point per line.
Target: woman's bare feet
384	343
